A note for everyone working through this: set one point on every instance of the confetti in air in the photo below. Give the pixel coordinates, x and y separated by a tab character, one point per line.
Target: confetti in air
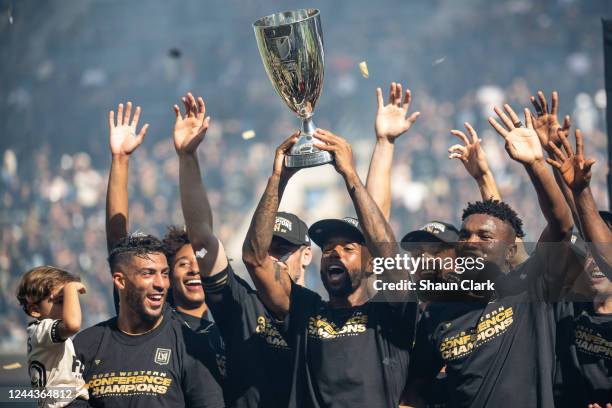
363	67
438	61
248	134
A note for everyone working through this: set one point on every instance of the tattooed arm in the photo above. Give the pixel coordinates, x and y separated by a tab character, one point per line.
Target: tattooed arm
271	280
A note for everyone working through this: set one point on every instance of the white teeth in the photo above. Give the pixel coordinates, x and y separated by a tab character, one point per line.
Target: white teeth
193	281
155	297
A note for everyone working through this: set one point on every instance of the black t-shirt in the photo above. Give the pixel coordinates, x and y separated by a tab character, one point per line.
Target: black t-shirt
169	367
349	357
584	349
497	353
259	361
211	334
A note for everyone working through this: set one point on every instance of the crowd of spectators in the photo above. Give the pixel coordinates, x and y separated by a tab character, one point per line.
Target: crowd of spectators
54	168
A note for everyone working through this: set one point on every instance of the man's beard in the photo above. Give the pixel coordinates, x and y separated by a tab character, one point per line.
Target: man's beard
135	300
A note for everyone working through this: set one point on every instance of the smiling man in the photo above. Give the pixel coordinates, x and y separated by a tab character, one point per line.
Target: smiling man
146	356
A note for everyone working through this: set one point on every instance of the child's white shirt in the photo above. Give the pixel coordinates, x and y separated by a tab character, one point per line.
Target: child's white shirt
52	362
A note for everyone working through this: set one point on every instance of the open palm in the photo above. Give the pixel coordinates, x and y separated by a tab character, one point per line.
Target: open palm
190	129
391	120
522	143
123	138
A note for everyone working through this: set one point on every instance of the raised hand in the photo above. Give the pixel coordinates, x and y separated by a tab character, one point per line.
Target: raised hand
391	120
545	122
470	153
123	139
575	170
190	128
282	150
522	143
343	154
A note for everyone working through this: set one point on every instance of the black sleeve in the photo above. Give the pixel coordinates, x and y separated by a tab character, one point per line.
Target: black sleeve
304	303
552	270
200	387
234	305
425	360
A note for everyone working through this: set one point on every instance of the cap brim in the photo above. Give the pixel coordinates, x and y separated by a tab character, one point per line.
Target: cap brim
321	231
291	240
421	236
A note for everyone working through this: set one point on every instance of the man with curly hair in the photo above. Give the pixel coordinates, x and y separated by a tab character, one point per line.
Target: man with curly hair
486	338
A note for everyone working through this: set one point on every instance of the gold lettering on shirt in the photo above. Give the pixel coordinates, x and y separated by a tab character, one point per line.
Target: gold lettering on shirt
491	325
270	333
590	342
320	327
131	383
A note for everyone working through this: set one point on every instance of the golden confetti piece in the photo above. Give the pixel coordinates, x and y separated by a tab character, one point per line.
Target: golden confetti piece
248	134
12	366
363	67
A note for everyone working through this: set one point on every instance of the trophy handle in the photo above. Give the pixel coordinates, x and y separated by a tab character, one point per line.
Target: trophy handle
304	153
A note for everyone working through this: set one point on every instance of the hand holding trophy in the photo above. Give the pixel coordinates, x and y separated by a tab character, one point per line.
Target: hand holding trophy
291	48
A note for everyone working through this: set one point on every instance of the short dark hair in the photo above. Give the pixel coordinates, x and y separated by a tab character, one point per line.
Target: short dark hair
176	238
38	283
136	244
497	209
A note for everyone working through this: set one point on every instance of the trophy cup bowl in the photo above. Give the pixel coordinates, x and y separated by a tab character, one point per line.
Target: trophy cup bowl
291	48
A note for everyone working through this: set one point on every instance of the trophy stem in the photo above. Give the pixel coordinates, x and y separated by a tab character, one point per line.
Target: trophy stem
308	126
304	153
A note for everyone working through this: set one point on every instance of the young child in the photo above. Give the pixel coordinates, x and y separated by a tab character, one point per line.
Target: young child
51	296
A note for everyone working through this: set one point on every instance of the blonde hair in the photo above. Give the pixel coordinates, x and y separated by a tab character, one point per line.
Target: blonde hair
38	283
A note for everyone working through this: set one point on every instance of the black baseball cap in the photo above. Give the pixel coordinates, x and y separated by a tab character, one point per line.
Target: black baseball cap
436	230
347	227
291	228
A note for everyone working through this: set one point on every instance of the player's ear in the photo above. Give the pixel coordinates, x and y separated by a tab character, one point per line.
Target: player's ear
306	256
511	252
119	280
33	310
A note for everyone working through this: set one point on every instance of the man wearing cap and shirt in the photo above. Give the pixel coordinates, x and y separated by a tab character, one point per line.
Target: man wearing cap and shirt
349	351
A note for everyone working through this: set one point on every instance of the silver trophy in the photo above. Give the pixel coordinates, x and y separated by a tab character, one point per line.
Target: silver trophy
291	48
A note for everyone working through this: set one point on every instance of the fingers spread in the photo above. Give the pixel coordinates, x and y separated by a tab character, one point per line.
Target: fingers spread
579	143
536	105
412	118
557	152
528	118
513	116
111	119
553	163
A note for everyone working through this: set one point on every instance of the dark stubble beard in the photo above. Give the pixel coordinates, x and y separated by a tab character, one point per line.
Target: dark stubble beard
135	300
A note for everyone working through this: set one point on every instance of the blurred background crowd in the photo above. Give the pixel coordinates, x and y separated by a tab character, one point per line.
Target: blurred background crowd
66	64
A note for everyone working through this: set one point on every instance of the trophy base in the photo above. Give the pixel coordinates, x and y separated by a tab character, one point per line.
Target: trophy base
308	159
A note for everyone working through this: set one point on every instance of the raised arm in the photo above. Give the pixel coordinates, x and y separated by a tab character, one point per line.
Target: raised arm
123	141
523	146
546	124
576	173
391	122
71	313
271	280
189	131
475	162
377	232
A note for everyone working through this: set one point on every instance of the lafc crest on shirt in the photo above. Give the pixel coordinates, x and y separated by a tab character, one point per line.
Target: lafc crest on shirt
320	327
